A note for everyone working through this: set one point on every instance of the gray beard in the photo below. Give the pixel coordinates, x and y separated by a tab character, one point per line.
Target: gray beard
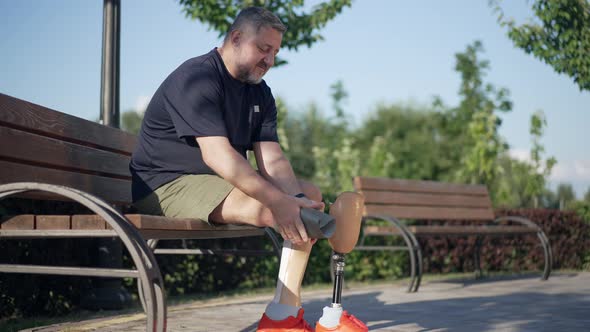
246	76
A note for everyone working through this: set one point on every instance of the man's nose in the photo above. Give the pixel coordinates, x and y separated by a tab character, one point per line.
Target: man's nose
269	60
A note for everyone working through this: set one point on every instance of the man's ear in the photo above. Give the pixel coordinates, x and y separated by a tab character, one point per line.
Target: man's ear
236	37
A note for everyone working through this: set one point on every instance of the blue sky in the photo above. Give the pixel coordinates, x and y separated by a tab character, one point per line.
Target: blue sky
383	50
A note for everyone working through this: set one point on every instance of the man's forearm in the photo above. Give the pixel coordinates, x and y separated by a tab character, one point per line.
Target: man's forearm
237	171
280	173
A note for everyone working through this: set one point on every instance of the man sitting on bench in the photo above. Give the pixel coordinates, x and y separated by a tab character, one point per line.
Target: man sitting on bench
190	161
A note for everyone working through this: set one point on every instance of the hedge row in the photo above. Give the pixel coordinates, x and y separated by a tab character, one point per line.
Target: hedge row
568	235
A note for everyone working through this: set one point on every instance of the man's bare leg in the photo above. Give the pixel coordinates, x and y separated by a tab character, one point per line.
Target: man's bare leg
240	208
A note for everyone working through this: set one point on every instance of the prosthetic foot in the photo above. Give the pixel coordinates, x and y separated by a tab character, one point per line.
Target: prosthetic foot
347	211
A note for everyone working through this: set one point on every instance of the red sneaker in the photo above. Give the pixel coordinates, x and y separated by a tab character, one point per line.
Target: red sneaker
289	324
348	323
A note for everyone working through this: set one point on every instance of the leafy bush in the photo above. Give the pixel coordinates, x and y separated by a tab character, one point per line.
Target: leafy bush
568	235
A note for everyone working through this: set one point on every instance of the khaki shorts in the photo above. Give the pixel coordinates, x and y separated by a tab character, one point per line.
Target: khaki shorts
189	196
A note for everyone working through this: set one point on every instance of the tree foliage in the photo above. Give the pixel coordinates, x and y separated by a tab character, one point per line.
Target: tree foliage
131	121
565	195
559	36
540	169
303	24
402	141
476	122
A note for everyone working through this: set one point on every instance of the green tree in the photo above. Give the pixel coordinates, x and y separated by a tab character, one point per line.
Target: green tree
316	141
559	36
305	129
473	126
303	25
380	161
339	97
583	207
510	187
281	123
567	200
402	141
131	121
336	157
523	184
540	168
565	195
336	167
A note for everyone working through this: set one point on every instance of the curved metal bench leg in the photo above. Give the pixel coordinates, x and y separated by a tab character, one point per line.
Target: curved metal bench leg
548	255
542	238
411	244
477	257
276	244
154	286
149	273
152	244
419	264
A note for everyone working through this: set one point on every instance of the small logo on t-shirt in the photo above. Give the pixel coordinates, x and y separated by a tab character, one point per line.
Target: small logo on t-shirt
256	109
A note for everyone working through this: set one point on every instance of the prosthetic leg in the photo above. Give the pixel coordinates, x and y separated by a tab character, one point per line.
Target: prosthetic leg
342	226
347	211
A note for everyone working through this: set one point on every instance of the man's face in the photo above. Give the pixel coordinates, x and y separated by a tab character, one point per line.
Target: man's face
256	53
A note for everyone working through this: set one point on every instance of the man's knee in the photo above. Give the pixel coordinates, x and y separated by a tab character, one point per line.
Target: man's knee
310	190
263	216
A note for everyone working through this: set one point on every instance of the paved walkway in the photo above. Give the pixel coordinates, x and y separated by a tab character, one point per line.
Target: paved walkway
509	304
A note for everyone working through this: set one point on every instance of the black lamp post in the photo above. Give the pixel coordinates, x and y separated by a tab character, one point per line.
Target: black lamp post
108	293
111	41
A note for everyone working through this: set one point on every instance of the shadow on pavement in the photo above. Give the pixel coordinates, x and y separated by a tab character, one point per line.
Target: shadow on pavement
517	311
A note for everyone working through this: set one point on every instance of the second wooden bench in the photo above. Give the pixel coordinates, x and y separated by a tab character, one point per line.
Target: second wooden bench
398	201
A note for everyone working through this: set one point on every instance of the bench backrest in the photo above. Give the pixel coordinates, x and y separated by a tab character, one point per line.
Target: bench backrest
38	144
414	199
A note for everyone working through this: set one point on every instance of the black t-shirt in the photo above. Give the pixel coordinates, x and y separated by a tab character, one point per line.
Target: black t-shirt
200	98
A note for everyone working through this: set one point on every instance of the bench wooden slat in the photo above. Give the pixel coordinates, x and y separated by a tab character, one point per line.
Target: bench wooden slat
144	221
32	149
451	230
141	221
158	223
115	190
88	221
240	231
53	222
56	233
19	222
424	212
158	227
420	199
21	114
402	185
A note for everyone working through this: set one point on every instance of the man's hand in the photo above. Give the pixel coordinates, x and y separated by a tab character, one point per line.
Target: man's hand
287	215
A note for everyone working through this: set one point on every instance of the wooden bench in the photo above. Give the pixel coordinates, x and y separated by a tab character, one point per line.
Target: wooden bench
46	154
398	201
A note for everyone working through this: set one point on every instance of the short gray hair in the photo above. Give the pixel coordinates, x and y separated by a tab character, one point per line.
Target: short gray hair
255	17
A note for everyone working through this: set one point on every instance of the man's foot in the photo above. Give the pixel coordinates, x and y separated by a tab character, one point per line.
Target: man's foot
348	323
289	324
